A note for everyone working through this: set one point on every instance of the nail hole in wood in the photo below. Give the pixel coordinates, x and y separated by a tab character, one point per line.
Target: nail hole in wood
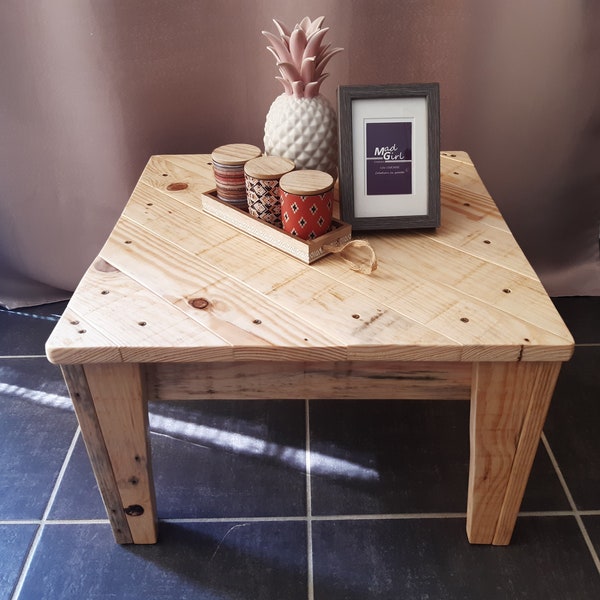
464	320
142	323
128	241
104	292
257	321
150	204
134	510
507	290
134	480
487	242
356	316
526	340
74	322
177	187
466	204
81	331
165	174
456	173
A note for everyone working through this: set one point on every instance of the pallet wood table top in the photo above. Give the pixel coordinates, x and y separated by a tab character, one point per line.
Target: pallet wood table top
180	305
173	284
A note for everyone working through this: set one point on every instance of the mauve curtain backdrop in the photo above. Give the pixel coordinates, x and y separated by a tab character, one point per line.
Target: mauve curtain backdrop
92	88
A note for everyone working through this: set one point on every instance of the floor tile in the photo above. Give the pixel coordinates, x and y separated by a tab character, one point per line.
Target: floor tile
378	560
572	426
393	457
37	425
78	496
592	525
198	561
15	541
389	457
24	331
210	459
582	317
229	459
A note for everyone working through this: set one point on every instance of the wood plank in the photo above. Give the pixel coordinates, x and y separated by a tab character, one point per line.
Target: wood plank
76	340
508	407
542	379
236	313
310	380
95	444
122	411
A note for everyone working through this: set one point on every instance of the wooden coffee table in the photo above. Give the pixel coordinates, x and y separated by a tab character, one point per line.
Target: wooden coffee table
180	305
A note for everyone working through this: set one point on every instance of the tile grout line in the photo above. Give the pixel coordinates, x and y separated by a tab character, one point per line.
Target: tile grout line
22	356
576	512
309	541
38	535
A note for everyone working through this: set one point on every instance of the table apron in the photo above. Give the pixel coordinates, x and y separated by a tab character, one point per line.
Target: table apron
350	380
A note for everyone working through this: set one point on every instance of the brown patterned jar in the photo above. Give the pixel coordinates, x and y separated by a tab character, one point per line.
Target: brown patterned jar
306	203
262	186
228	167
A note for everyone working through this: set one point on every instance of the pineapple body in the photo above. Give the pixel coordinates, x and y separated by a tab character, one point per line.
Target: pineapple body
303	130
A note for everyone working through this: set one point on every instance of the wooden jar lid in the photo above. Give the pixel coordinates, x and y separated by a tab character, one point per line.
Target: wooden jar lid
268	167
306	183
235	154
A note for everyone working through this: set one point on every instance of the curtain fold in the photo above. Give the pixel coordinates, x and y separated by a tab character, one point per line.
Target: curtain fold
92	89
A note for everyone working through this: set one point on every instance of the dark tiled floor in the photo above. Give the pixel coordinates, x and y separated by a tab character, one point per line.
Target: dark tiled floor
384	518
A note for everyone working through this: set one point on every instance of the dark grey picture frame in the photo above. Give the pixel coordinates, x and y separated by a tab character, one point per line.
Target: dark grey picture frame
346	95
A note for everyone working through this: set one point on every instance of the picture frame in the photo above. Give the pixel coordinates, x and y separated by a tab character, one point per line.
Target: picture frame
389	148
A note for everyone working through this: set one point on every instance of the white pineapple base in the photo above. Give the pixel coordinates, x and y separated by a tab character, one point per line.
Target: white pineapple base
303	130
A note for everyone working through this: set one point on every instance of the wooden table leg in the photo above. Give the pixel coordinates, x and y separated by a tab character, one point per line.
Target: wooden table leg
112	411
509	403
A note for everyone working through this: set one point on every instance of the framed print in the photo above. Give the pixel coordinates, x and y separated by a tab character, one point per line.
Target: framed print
390	156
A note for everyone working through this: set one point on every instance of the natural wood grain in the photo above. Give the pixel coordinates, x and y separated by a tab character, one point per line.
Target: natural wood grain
542	379
197	309
314	380
509	402
122	412
92	434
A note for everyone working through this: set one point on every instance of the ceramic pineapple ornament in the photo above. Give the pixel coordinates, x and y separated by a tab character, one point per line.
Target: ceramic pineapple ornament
301	123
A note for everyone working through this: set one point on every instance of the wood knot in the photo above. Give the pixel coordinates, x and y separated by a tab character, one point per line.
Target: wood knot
199	303
177	186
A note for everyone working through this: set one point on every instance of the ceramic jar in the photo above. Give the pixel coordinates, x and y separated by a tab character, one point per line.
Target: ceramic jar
306	203
262	186
228	167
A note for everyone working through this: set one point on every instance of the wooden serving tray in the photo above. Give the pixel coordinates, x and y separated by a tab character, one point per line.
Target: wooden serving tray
307	251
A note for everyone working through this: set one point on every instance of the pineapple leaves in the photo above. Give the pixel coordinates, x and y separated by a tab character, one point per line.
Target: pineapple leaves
301	56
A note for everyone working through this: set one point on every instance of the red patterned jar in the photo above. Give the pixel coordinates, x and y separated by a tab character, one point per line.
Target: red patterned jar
262	186
306	203
228	167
